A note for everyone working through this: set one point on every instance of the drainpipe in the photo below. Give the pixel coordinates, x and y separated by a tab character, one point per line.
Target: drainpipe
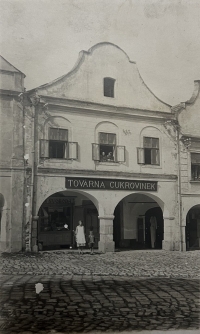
32	178
24	149
34	100
179	183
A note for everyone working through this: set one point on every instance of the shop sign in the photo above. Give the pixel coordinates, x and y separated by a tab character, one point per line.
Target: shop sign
109	184
58	201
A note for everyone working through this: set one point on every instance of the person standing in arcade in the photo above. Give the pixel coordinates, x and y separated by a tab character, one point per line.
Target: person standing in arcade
80	237
91	241
153	228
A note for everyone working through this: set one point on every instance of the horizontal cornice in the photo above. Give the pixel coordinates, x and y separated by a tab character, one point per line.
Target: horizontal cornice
65	172
7	92
63	104
192	137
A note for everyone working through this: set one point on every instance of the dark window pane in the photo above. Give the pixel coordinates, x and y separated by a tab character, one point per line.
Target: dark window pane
111	138
155	142
57	149
58	134
63	135
103	138
54	134
195	171
147	142
147	156
109	87
195	158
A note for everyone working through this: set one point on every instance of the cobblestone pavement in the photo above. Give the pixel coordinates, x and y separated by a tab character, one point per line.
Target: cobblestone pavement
122	291
92	303
155	263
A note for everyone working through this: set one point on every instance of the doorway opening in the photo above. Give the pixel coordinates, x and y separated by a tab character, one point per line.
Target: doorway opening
192	232
59	215
2	202
138	223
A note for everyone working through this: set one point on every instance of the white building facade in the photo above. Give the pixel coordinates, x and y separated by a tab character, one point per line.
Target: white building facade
101	143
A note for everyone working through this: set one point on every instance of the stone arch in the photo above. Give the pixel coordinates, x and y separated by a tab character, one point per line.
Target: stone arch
192	230
57	190
58	217
130	211
189	203
154	197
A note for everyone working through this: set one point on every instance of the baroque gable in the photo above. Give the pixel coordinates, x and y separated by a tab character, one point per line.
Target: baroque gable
85	82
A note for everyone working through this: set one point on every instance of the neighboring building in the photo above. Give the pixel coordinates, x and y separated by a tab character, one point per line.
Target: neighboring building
11	156
102	148
189	122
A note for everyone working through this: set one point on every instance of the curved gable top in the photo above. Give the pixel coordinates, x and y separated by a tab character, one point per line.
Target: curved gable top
98	45
85	81
195	92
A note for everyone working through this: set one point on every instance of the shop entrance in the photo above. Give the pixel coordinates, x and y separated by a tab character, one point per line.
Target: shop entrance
58	217
193	228
138	223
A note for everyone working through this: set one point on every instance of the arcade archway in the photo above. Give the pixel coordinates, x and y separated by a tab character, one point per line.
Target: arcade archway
58	217
138	223
193	228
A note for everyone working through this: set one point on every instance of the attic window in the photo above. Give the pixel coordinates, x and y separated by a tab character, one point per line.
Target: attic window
109	87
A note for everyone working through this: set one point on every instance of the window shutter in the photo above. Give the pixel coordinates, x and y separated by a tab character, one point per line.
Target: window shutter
72	150
140	155
120	153
44	148
95	152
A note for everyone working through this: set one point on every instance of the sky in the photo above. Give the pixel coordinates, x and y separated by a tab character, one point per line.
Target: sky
43	38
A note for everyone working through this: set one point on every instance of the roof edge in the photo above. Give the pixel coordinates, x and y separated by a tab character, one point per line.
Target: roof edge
152	92
13	66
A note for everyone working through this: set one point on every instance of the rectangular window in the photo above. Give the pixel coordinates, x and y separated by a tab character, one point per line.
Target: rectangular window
109	87
195	166
149	154
107	146
151	151
58	139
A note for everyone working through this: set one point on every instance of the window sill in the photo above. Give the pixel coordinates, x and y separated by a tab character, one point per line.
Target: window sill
151	166
195	181
54	160
107	163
